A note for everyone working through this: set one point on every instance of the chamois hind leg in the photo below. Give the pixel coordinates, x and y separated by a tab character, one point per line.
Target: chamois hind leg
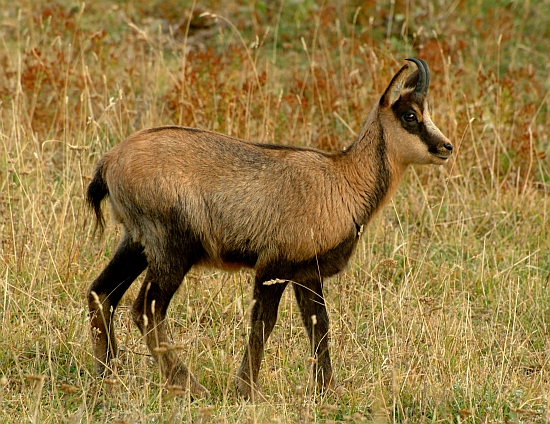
263	318
149	313
315	318
104	294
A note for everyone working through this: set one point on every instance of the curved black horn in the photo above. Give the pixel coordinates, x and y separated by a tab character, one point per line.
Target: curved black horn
423	77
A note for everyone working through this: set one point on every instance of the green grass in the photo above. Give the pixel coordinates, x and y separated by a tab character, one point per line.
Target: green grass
443	312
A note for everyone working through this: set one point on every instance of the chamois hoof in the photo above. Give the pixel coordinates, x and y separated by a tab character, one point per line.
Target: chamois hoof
105	370
247	390
182	381
333	389
100	370
196	390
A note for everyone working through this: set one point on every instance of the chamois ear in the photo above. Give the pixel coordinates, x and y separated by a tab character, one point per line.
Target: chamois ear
392	93
412	80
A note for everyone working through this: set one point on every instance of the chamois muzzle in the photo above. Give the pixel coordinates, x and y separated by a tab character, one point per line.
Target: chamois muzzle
423	83
444	152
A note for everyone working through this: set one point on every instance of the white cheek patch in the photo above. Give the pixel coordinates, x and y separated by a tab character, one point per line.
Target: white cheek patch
430	126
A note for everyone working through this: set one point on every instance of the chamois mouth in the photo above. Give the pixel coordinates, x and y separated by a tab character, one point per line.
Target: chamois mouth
443	156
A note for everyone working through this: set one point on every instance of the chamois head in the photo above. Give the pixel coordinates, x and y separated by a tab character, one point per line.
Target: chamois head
404	108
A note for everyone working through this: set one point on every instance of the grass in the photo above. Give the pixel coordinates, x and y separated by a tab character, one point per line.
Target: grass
442	315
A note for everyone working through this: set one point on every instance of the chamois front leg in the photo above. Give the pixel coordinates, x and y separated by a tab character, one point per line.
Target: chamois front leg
315	318
149	313
104	294
262	320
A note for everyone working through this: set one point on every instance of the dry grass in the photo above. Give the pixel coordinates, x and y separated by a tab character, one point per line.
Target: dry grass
443	312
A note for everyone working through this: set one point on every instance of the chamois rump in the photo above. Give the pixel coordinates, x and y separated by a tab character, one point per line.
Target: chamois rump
189	197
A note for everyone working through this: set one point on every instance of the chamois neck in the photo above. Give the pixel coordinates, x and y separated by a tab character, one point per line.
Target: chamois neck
371	173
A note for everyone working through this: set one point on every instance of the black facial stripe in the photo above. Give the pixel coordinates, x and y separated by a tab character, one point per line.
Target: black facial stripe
418	127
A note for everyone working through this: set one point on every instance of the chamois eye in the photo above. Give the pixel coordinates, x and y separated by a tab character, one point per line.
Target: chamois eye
409	117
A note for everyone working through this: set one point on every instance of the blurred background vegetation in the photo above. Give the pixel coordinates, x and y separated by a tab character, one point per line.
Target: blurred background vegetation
443	313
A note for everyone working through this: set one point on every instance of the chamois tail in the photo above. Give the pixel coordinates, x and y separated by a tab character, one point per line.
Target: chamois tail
97	191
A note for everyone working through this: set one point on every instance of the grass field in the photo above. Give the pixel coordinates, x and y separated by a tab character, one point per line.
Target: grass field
443	314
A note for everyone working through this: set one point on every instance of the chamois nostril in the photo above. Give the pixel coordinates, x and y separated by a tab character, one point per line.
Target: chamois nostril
448	146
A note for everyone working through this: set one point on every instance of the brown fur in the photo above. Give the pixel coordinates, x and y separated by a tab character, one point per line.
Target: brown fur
191	197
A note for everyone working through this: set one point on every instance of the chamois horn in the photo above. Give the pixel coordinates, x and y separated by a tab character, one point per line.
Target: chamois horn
423	83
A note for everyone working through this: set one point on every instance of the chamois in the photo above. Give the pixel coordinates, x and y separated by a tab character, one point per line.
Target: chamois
187	196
